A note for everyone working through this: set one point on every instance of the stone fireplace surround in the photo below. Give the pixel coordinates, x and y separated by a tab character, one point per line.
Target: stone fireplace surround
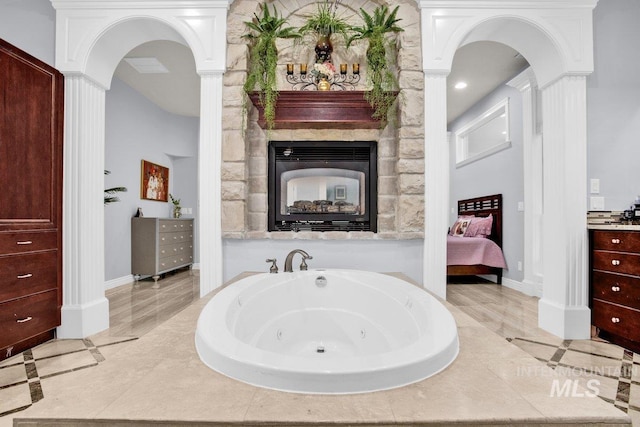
400	144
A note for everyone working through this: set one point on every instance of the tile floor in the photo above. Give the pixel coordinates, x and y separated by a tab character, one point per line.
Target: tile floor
145	368
614	371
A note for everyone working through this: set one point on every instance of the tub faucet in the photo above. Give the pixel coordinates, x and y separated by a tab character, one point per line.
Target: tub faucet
288	268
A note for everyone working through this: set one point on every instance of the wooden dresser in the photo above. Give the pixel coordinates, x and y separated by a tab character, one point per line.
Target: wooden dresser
615	286
159	245
31	134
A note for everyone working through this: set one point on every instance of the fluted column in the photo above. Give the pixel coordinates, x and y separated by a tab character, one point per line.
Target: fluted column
436	185
525	82
210	173
563	309
85	309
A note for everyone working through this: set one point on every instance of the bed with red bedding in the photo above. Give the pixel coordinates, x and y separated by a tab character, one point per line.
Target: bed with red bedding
474	243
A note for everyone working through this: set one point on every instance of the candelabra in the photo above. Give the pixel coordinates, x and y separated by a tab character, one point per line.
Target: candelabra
337	81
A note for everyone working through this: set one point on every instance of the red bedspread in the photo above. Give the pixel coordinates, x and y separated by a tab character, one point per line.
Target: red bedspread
474	250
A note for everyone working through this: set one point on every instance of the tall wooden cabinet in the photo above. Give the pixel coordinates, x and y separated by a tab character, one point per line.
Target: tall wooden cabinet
31	135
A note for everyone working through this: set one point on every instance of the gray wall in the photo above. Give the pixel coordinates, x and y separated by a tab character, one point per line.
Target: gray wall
137	129
30	26
613	103
500	173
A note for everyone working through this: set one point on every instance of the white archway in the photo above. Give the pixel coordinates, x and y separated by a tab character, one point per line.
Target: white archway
91	39
557	41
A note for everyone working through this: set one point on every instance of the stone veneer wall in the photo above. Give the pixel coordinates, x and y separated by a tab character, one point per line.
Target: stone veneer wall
400	144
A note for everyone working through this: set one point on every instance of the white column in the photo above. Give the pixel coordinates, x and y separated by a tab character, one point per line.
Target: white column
525	82
563	309
436	185
85	309
209	183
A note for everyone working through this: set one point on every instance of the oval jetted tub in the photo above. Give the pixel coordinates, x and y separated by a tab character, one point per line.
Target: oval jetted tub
326	331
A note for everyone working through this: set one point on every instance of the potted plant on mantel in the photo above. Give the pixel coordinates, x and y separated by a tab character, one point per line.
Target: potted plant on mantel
263	53
383	81
323	24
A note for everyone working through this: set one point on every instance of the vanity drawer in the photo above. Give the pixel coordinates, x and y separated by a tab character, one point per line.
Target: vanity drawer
618	320
616	288
619	241
20	242
616	262
25	317
22	275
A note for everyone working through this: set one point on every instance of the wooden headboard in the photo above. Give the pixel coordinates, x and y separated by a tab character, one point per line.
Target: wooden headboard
483	206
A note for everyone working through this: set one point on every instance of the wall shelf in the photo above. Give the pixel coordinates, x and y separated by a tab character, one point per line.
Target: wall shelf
320	110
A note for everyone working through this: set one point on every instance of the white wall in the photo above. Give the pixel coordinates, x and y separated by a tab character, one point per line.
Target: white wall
383	256
500	173
613	103
137	129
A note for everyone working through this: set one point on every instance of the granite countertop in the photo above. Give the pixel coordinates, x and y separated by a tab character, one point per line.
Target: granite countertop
614	226
610	220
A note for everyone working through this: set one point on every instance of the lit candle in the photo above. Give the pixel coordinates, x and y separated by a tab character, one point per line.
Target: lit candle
303	69
343	68
289	69
356	68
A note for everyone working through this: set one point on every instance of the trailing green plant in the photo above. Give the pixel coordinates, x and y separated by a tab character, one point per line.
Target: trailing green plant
325	21
264	30
380	56
109	192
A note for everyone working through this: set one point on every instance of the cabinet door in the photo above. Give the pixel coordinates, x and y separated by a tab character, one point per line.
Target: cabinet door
31	107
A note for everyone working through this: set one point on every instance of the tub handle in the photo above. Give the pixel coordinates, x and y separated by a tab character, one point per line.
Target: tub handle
274	267
303	264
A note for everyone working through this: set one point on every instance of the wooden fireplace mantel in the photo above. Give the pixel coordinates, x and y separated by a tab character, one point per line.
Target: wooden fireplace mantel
320	110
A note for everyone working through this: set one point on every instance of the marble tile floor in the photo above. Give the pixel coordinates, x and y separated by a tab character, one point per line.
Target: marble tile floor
145	368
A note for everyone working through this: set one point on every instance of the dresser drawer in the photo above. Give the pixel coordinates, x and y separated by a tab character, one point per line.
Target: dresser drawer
175	249
617	262
21	275
620	241
175	237
174	225
20	242
616	288
29	316
166	264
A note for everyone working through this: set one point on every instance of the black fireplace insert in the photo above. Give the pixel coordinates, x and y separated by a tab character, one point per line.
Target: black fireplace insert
322	186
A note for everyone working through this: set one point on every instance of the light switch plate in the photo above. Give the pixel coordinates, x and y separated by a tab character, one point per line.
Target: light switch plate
596	203
595	186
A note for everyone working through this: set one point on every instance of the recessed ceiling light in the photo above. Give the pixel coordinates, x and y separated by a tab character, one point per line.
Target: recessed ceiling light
147	65
460	85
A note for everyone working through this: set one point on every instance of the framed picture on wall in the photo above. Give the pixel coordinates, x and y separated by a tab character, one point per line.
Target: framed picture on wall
154	182
341	192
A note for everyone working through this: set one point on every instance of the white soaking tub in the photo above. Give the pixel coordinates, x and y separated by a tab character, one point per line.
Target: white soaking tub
326	331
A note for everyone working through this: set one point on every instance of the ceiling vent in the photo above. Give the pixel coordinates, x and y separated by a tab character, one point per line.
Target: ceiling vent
147	65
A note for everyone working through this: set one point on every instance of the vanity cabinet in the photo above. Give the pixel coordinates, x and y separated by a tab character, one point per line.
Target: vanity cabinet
160	245
615	286
31	129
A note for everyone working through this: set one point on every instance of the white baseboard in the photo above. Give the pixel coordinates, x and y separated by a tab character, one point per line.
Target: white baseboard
527	288
114	283
125	280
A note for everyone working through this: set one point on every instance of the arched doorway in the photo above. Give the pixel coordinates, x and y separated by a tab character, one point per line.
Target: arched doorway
557	44
92	39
